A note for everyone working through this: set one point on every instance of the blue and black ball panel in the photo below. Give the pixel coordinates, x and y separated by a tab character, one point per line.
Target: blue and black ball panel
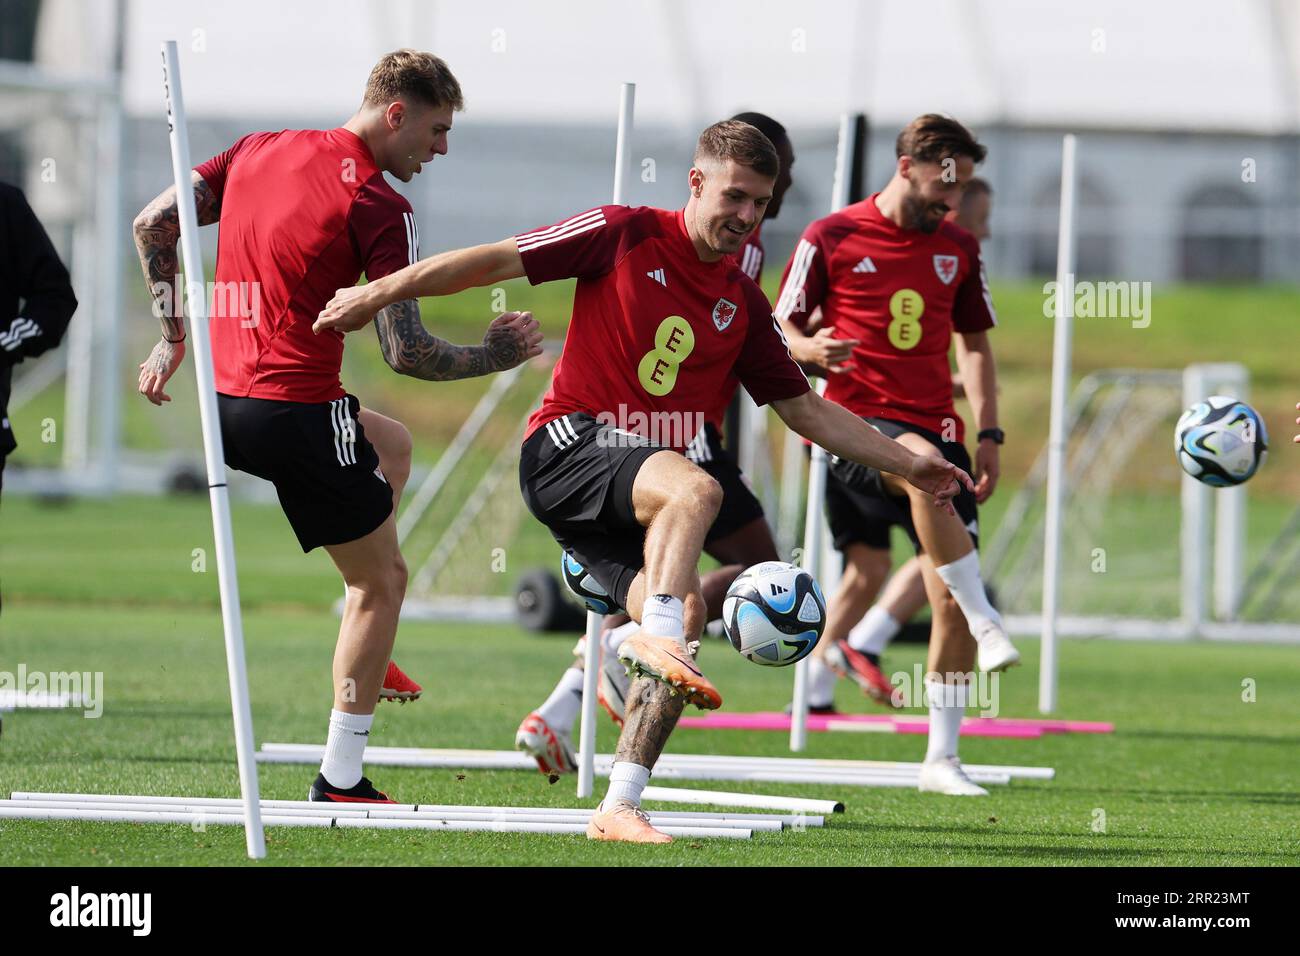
585	587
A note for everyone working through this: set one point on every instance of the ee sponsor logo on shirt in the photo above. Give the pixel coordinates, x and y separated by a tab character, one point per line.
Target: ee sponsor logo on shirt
674	342
906	306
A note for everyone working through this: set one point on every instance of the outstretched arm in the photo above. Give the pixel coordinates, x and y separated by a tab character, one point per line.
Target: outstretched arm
157	231
410	349
842	433
443	274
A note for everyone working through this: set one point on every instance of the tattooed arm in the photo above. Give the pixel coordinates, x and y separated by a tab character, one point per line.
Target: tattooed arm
410	349
157	231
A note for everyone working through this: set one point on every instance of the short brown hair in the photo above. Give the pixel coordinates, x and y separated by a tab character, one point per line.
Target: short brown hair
736	140
410	74
977	187
931	138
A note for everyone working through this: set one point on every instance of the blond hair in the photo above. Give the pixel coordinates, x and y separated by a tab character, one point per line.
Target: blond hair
412	75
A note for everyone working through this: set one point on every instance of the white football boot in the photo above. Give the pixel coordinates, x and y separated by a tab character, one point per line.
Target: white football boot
996	652
947	776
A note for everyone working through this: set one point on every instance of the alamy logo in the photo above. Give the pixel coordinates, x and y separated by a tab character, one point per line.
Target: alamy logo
75	908
76	690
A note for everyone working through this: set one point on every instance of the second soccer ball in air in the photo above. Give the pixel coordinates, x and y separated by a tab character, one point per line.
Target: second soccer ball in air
1220	441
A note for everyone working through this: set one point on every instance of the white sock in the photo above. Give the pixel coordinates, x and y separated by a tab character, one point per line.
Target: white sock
872	634
662	617
821	683
967	588
947	704
626	782
616	636
349	734
561	708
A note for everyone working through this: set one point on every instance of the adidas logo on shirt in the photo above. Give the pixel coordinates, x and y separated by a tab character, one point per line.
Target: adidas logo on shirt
658	276
866	265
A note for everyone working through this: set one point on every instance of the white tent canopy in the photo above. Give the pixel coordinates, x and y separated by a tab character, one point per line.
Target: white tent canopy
1202	64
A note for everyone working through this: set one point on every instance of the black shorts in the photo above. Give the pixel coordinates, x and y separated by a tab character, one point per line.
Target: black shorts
859	505
739	506
856	517
576	476
317	456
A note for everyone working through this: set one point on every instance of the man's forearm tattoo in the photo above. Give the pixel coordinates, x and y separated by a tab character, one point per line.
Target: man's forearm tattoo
410	349
652	713
157	233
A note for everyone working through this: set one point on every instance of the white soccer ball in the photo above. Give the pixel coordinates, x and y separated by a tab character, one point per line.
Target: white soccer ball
774	613
1221	441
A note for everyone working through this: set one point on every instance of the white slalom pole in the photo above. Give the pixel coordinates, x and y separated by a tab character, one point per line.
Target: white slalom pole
591	656
196	308
1047	667
627	99
814	533
813	529
587	727
724	799
805	811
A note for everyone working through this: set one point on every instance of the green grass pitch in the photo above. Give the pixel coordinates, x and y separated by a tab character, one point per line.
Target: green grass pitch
1194	774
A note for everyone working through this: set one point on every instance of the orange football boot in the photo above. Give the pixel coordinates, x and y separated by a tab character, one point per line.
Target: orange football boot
625	823
664	659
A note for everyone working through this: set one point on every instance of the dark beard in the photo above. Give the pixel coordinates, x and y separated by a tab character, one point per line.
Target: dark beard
914	214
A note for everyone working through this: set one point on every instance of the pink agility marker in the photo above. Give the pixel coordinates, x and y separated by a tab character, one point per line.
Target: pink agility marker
858	723
1002	727
1056	726
969	728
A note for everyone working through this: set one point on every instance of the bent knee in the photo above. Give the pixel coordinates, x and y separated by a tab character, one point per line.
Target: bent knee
400	447
704	490
403	442
866	565
918	445
382	583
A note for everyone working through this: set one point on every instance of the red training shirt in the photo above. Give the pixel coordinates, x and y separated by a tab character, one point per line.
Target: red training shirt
655	330
750	260
303	213
751	254
901	293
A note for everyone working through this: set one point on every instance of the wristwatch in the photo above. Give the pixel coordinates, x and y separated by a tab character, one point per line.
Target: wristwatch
997	434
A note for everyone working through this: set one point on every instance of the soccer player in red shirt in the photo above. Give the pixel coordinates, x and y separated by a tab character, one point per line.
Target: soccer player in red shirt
303	212
738	538
896	280
661	316
904	594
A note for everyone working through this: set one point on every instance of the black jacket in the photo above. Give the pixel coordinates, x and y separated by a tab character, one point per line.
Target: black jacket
36	299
